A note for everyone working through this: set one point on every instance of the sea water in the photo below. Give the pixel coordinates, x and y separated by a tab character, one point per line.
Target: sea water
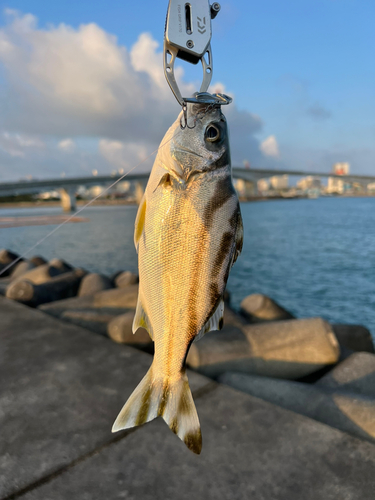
314	257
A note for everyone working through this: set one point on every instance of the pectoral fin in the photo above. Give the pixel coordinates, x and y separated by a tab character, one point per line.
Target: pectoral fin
141	320
140	222
215	322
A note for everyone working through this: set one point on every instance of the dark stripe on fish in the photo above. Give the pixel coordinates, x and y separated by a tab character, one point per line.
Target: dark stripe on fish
164	399
193	441
223	192
143	410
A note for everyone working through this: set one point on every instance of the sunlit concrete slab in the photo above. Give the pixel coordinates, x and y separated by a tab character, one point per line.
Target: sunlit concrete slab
251	450
61	388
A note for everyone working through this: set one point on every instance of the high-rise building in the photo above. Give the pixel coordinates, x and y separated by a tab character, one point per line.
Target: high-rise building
336	185
279	182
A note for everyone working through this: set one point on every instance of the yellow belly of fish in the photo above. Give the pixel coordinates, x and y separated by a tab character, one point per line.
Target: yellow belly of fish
175	266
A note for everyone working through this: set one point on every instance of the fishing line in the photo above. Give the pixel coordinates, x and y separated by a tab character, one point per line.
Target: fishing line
97	197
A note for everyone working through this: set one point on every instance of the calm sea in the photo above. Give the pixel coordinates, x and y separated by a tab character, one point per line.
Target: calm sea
315	257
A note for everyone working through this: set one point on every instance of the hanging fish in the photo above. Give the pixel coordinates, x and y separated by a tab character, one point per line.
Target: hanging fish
188	234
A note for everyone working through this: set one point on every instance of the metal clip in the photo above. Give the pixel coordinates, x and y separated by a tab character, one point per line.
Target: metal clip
188	37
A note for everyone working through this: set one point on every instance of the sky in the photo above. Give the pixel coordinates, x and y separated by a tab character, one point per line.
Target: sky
82	85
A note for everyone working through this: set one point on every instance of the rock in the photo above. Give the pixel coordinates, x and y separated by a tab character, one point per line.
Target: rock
6	258
285	349
120	330
61	264
125	279
93	283
352	414
117	299
95	320
31	294
37	260
354	337
356	375
257	308
21	268
40	274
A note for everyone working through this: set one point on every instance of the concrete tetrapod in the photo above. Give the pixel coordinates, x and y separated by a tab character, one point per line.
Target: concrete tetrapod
93	283
354	337
347	412
125	279
284	349
40	274
119	299
21	268
120	330
28	293
37	260
355	375
257	308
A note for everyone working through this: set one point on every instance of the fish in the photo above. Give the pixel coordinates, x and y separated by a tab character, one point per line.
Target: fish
188	233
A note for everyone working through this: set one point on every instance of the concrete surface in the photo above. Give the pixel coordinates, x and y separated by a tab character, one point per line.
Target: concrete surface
350	413
61	388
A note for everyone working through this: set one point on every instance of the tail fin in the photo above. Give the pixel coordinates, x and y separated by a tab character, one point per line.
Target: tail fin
167	398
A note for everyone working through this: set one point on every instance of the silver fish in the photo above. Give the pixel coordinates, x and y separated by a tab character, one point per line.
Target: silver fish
188	234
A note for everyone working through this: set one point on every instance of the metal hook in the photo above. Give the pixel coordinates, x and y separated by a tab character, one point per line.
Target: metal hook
184	111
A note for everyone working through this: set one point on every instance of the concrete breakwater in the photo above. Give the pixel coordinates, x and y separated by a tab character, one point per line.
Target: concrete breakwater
323	371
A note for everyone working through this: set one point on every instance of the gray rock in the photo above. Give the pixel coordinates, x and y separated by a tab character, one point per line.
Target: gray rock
93	283
40	274
60	287
61	264
354	337
96	320
352	414
6	258
37	260
284	349
118	299
21	268
257	308
125	279
356	375
120	330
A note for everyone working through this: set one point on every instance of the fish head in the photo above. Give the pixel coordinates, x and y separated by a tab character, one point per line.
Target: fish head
203	145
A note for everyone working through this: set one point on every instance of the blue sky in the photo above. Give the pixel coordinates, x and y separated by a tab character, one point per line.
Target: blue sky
305	68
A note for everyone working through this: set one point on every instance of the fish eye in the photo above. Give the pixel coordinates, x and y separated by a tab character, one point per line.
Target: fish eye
212	133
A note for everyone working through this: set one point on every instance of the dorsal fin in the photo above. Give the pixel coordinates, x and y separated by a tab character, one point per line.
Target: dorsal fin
215	322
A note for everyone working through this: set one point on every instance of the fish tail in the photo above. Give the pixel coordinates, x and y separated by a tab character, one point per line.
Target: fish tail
169	398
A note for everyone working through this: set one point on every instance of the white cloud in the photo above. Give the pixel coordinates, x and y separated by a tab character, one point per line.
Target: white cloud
65	84
17	145
122	155
269	147
67	145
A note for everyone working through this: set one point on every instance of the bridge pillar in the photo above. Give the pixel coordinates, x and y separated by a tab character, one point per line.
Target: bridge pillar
68	199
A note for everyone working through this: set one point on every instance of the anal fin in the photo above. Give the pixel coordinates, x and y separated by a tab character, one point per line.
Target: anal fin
141	320
215	322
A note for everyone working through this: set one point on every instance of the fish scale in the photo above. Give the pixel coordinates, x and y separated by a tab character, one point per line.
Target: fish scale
188	234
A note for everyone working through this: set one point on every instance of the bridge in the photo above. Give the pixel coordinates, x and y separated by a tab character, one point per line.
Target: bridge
68	186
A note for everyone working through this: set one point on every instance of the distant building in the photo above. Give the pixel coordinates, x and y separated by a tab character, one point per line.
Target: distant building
263	185
279	182
309	182
335	185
